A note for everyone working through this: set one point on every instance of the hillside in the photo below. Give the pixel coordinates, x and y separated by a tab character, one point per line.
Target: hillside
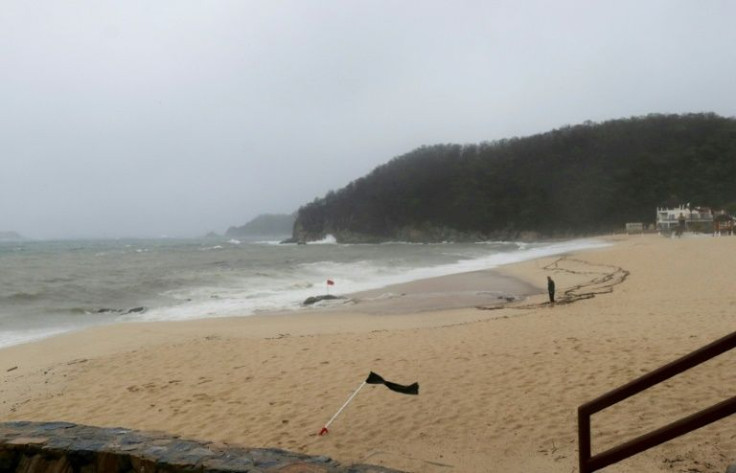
582	179
264	225
11	236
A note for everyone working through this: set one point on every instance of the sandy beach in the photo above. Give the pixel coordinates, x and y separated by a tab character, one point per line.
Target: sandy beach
499	383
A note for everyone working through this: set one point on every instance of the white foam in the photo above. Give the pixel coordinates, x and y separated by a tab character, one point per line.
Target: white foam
286	292
364	276
17	337
269	242
327	240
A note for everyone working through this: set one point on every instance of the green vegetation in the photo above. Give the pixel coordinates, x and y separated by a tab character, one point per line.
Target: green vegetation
583	179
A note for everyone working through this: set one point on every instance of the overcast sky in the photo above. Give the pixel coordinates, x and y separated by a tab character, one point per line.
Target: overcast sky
174	117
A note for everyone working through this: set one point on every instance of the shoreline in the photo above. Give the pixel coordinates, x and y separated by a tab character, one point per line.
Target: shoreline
404	295
498	387
415	300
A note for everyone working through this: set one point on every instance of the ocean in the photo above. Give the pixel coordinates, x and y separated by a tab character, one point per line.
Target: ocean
52	287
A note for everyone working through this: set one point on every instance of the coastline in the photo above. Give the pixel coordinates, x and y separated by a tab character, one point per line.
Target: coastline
421	303
497	386
278	282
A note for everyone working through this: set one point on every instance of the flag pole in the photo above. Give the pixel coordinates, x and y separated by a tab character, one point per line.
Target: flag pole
324	429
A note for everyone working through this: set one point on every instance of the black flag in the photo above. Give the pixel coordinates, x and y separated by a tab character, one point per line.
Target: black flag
373	378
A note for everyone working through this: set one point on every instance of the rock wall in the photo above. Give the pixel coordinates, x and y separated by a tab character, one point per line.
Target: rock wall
61	447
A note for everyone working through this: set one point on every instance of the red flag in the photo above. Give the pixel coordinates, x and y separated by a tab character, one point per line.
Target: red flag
330	282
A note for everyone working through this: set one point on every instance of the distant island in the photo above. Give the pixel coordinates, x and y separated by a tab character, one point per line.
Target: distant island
266	225
590	178
11	236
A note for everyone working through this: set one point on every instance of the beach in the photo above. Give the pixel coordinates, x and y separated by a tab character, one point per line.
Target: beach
499	383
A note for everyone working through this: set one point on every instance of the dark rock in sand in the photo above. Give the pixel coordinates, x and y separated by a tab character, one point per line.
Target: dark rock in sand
315	299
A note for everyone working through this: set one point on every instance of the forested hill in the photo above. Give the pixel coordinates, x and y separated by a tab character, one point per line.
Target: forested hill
582	179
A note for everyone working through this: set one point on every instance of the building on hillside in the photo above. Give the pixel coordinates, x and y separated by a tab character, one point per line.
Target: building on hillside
684	218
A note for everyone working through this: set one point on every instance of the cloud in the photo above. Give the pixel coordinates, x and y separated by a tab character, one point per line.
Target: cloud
180	117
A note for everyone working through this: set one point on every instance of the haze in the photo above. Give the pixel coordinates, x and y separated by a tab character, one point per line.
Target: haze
150	118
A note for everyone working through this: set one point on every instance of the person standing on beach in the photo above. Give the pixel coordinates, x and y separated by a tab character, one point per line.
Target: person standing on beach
551	290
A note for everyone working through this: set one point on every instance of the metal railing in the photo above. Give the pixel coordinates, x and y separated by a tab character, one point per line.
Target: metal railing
589	464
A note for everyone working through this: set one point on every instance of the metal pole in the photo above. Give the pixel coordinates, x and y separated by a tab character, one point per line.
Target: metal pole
324	429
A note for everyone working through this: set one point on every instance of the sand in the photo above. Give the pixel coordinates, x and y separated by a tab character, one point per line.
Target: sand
499	387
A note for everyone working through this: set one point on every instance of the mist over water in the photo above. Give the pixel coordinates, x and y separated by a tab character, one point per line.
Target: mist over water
50	287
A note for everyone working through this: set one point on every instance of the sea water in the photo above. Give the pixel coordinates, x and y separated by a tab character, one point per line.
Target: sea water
51	287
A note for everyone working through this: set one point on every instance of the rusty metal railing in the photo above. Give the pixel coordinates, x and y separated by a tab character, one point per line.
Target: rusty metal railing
589	464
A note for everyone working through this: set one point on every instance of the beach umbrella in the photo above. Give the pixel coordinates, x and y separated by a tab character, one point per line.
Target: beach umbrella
373	378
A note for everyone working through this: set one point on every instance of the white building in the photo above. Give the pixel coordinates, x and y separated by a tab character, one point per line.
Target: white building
692	217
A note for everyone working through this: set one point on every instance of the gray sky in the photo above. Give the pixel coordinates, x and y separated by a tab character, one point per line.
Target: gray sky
174	117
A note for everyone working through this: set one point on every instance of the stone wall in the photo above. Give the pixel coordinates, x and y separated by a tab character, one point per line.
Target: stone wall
61	447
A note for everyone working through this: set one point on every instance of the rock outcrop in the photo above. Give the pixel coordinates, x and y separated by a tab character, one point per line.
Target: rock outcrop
61	447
